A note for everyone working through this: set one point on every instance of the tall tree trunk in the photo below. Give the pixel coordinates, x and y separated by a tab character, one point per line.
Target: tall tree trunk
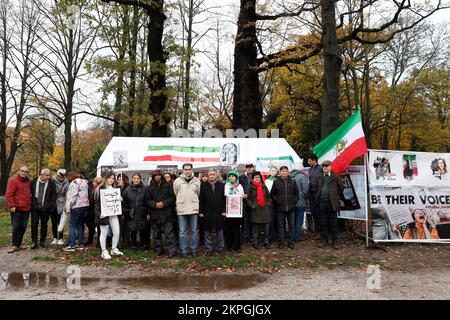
157	77
247	109
4	172
187	71
332	66
69	104
132	94
120	74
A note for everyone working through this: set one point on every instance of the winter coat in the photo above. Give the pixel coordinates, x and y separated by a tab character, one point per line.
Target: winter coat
258	213
18	194
98	207
136	204
77	194
212	205
187	195
335	188
284	194
61	194
49	202
302	185
245	180
161	193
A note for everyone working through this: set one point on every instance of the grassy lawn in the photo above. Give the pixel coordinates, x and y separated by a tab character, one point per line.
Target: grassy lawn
271	260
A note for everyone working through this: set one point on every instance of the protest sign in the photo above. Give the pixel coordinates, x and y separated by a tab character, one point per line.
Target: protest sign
234	206
110	201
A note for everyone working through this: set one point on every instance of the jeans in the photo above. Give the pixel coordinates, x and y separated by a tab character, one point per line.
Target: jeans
208	241
37	215
184	221
115	227
328	218
281	225
298	222
19	222
314	212
169	237
76	226
261	231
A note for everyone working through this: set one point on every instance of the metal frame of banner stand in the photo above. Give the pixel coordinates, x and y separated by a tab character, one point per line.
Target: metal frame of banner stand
367	198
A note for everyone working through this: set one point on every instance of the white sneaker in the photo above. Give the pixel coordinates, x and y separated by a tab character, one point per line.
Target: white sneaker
105	255
60	242
54	242
116	252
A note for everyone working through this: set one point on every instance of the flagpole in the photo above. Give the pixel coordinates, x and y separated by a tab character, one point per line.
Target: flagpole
366	197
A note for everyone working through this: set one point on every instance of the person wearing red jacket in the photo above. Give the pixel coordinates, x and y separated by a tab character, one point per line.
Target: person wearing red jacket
18	197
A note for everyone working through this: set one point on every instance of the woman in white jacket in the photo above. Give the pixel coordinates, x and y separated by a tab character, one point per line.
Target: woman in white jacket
233	225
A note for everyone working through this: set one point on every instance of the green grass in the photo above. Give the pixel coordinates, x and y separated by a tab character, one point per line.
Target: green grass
44	258
5	229
332	260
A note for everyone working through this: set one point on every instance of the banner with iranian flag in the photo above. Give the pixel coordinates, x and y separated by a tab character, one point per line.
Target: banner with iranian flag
344	144
181	153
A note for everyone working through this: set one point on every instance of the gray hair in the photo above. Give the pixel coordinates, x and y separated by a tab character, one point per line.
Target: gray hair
45	171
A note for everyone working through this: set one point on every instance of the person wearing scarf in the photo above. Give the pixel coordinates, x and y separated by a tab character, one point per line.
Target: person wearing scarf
43	191
258	200
233	225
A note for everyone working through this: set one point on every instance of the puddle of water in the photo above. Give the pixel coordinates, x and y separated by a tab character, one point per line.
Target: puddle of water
210	283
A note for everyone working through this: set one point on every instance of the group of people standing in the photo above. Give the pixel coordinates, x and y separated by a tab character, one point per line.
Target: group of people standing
172	209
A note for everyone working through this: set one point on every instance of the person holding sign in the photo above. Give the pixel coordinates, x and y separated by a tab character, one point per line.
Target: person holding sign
233	224
107	209
258	200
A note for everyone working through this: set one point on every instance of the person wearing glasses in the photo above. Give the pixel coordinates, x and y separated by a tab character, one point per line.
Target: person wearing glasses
18	197
43	191
187	191
329	194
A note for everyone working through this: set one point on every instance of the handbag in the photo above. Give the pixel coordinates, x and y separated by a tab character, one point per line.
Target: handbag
62	222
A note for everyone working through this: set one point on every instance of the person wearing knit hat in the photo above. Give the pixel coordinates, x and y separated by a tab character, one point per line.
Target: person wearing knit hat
233	225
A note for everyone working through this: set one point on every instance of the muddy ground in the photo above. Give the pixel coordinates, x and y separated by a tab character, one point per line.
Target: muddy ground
407	271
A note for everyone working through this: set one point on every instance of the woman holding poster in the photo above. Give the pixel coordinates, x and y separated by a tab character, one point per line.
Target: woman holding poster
258	200
107	209
233	224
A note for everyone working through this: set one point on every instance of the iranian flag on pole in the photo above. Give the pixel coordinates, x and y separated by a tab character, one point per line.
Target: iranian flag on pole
344	144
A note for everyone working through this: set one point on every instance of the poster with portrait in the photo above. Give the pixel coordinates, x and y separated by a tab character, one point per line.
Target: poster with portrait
229	153
104	170
110	201
408	168
355	201
120	159
234	206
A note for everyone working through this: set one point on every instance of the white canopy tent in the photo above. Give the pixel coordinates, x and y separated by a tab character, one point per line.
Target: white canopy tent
131	154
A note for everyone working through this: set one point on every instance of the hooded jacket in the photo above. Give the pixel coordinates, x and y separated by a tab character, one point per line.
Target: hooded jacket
61	194
302	185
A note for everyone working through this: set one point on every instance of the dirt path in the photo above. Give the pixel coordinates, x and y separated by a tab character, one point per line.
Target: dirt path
406	272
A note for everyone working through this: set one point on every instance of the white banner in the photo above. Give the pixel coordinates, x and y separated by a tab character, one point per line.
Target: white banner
408	168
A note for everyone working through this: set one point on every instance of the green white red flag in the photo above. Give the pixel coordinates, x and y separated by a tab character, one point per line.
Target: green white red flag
344	144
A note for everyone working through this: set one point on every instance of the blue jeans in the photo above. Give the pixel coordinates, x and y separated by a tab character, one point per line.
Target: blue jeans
76	226
298	222
208	241
183	222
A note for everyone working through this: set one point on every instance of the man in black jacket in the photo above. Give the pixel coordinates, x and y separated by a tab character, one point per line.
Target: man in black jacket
43	201
162	199
212	211
284	194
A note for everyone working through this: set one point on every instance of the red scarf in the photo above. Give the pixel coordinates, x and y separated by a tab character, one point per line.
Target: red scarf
259	193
